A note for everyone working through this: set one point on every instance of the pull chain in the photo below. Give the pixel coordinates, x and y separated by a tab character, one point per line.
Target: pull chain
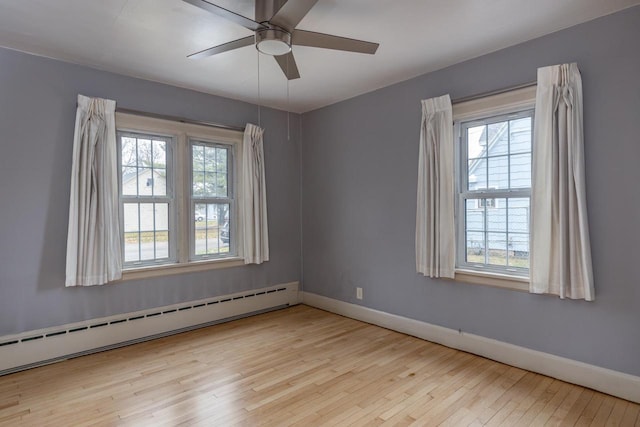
288	104
259	95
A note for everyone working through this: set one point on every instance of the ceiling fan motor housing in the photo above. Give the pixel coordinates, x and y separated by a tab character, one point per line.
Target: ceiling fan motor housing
273	41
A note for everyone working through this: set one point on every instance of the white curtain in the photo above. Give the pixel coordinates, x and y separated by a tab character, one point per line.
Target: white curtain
560	248
254	195
94	252
435	219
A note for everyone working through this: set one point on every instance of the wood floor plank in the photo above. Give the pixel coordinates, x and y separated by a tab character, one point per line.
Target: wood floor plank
631	415
297	367
615	418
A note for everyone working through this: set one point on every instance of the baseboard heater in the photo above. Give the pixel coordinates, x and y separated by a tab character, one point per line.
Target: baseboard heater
44	346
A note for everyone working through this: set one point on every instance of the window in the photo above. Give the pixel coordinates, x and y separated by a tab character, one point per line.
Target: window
146	199
494	188
212	198
178	200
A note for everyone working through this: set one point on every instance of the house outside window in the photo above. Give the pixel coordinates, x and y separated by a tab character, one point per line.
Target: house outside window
178	203
493	185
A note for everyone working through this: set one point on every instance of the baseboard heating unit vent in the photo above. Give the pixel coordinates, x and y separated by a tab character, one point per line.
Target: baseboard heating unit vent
35	348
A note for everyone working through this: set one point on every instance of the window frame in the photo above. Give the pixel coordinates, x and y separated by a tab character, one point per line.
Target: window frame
463	194
169	198
231	199
499	104
182	133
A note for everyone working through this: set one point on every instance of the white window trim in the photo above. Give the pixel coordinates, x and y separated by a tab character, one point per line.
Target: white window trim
490	278
494	105
182	133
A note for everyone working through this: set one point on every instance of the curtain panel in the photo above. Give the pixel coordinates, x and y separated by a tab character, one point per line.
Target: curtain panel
94	250
435	216
560	247
254	196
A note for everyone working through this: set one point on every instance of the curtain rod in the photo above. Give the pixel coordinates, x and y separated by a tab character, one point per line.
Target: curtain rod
178	119
493	92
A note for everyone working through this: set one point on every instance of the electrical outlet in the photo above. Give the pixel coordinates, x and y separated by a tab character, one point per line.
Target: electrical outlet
359	293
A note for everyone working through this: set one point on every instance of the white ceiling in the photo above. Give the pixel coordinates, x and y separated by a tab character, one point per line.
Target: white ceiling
152	38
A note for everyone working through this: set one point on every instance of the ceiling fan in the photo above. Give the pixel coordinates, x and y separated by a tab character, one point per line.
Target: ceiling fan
275	32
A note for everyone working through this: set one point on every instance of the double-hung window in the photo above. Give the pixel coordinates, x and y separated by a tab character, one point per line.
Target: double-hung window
147	198
494	186
178	204
212	199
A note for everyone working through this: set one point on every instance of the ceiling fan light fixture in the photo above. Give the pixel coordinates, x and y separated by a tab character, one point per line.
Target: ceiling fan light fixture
273	41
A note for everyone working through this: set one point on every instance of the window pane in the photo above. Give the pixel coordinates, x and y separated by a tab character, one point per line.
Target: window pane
131	247
520	135
519	250
521	171
128	152
477	174
159	176
145	182
496	214
161	216
129	181
162	244
198	184
210	171
221	160
210	189
497	139
476	141
519	215
200	213
159	182
221	185
200	228
475	215
198	158
475	247
159	154
145	157
210	159
497	245
498	172
211	228
131	217
147	217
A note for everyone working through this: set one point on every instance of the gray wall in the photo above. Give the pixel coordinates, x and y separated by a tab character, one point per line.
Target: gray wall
359	173
37	114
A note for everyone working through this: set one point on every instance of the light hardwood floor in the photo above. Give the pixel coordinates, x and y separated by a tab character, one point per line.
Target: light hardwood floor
298	366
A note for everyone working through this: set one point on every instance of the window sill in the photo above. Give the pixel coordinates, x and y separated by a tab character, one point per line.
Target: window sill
168	269
496	280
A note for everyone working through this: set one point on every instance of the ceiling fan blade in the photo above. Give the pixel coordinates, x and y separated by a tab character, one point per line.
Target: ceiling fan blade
266	9
288	65
327	41
291	13
231	16
245	41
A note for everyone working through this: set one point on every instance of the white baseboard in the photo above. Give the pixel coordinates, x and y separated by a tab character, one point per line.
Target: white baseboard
605	380
34	348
